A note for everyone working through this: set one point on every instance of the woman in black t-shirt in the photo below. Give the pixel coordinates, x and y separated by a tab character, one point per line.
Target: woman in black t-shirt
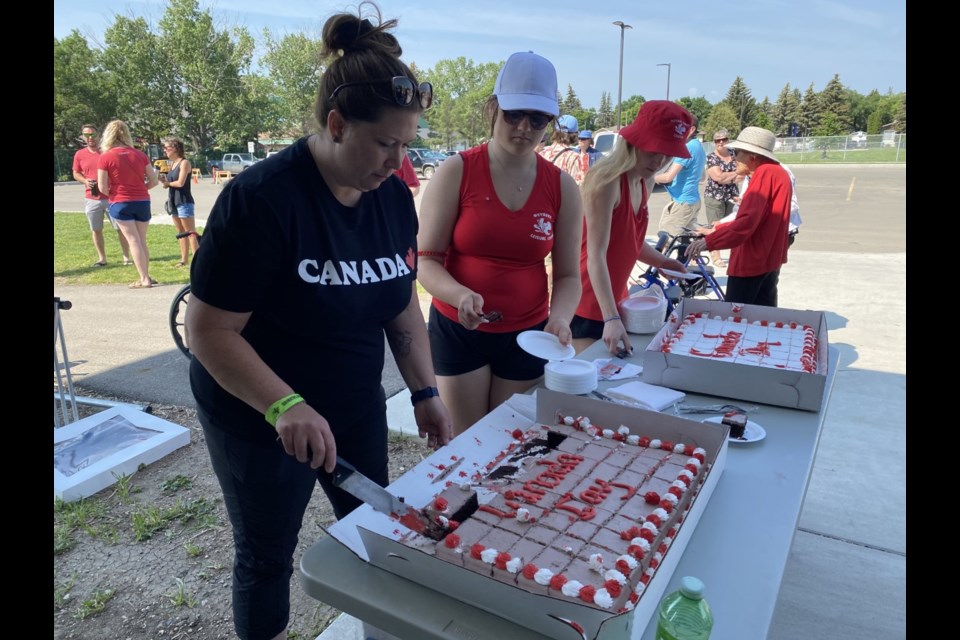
308	259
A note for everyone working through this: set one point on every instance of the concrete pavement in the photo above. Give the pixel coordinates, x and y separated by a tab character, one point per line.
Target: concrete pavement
846	577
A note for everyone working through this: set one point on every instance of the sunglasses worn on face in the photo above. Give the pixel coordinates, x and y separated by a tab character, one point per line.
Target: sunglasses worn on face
536	119
721	140
403	90
89	135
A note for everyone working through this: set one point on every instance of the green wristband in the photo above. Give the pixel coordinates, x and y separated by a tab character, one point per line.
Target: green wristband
280	407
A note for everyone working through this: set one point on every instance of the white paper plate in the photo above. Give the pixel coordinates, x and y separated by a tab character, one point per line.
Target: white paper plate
752	433
643	303
545	345
678	275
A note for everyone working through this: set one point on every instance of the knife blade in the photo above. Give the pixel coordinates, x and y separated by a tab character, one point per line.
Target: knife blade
346	477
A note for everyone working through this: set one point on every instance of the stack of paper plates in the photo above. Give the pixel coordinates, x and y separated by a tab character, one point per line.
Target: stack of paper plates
643	314
570	376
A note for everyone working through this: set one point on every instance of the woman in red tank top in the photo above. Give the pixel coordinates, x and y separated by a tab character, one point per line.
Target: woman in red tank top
615	194
489	219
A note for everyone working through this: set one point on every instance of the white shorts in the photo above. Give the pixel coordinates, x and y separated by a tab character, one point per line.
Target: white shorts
96	210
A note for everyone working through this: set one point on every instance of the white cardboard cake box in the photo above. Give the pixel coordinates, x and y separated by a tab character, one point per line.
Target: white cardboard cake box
374	537
90	454
793	389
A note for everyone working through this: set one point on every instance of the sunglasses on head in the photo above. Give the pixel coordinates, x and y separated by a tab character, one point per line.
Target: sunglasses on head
403	90
721	140
536	119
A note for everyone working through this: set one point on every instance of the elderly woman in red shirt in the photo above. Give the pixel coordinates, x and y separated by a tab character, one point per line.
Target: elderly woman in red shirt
757	237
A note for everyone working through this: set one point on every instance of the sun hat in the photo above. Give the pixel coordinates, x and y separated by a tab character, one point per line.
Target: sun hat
527	81
661	126
586	134
568	124
755	140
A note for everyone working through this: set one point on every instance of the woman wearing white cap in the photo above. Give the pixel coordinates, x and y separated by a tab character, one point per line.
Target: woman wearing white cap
615	194
489	220
758	236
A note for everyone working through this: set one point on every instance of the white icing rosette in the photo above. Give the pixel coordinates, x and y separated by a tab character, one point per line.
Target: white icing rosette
642	543
584	421
655	443
700	450
568	421
679	484
596	562
672	499
693	461
489	555
629	560
571	588
633	440
640	588
608	434
523	515
652	527
543	577
686	474
678	448
444	521
514	565
661	513
602	599
616	576
623	430
628	605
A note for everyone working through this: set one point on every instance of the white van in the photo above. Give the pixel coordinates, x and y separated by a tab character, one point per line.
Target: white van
604	141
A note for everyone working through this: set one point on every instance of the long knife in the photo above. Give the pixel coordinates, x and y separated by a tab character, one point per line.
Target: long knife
346	477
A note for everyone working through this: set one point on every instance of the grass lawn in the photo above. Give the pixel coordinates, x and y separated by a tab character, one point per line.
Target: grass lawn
866	156
73	253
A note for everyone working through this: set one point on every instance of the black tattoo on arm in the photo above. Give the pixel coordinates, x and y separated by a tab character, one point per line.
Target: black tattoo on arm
400	342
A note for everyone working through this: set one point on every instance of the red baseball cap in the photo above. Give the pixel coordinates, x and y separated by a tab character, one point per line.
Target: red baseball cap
661	126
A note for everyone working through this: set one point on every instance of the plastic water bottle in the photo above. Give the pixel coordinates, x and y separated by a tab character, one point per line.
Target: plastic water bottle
684	614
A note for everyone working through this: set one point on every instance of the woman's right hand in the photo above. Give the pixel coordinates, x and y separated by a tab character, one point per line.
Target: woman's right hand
470	310
613	334
306	435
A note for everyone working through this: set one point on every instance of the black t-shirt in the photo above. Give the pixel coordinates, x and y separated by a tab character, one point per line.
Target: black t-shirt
320	279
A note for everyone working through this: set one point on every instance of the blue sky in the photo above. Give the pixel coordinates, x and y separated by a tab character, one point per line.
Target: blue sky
708	44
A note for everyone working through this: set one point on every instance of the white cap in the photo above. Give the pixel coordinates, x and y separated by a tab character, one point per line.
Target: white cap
527	81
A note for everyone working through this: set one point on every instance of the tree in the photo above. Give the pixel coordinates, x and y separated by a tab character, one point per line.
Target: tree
699	107
722	116
901	118
294	68
461	89
833	99
629	108
80	95
605	115
741	101
830	125
762	116
572	103
784	112
809	114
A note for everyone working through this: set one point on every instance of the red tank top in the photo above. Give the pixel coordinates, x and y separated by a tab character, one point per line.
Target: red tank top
627	233
500	253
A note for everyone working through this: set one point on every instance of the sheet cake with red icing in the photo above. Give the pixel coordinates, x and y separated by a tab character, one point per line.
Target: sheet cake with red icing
572	510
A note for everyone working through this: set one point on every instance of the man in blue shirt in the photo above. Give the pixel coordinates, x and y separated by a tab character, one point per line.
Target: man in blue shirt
682	180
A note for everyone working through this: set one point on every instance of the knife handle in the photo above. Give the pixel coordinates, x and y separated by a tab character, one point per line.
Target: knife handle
342	471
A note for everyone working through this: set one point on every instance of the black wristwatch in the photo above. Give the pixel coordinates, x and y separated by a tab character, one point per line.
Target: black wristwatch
423	394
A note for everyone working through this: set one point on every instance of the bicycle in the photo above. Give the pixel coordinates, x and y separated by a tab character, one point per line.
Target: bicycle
674	289
178	308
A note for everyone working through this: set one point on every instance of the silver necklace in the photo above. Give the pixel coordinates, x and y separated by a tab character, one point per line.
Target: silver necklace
506	173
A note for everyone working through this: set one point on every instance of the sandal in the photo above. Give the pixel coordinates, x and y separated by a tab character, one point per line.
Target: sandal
127	262
152	281
99	264
139	285
181	264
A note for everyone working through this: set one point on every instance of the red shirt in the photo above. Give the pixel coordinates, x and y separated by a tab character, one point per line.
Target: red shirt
407	173
85	161
627	233
500	253
125	166
758	235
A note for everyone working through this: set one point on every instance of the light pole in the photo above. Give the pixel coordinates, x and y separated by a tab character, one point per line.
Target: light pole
623	27
667	65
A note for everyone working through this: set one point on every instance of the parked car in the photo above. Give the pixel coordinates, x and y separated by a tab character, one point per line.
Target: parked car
233	162
858	139
425	162
604	141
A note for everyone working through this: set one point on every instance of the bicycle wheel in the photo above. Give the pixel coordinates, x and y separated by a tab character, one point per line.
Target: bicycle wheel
178	311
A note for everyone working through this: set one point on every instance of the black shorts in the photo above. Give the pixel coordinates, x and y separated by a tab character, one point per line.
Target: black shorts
457	350
586	328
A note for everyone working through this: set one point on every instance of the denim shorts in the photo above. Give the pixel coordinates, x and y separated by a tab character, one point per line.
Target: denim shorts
138	210
185	210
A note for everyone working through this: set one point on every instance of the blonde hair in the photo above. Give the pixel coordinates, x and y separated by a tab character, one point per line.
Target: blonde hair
115	134
621	159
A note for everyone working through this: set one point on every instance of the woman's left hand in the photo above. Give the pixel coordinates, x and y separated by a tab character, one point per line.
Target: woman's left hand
433	422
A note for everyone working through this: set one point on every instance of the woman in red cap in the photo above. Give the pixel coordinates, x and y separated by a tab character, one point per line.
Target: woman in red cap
615	194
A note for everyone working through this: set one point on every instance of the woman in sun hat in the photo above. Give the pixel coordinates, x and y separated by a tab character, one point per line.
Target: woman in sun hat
308	262
758	236
615	194
490	218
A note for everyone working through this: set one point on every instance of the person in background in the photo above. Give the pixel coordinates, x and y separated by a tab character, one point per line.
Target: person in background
125	175
95	203
489	220
682	181
562	150
408	174
615	195
758	236
309	260
721	191
177	180
588	154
